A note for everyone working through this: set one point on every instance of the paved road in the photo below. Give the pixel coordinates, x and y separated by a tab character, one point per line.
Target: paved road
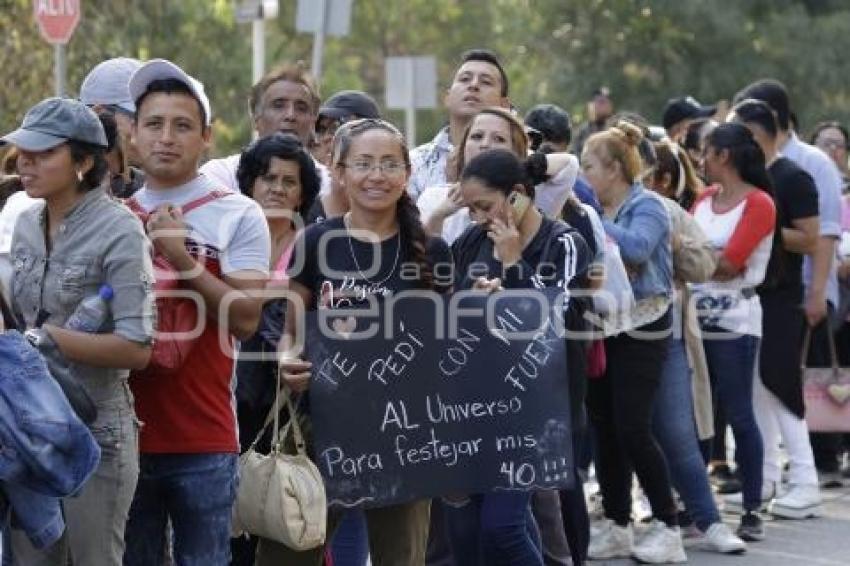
824	541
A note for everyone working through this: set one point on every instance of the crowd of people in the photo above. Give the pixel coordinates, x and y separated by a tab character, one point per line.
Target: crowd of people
721	235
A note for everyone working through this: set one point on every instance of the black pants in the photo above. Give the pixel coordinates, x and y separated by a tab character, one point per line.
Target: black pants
620	407
574	508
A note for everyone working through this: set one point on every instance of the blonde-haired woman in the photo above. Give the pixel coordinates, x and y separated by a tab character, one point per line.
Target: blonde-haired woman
620	402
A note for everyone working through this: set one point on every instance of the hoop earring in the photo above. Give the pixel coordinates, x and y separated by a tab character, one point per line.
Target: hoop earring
79	176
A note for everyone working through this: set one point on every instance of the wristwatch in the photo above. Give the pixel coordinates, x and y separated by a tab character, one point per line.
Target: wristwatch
39	338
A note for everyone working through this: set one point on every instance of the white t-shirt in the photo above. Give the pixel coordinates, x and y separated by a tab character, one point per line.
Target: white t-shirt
744	234
223	171
231	231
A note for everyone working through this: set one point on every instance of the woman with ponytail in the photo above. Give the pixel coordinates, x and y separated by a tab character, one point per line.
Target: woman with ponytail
620	402
684	395
375	247
511	245
738	215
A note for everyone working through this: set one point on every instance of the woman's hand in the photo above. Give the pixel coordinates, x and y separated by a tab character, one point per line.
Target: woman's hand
506	240
296	373
452	203
488	285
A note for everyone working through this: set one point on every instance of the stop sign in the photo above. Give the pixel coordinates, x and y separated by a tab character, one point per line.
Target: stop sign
57	19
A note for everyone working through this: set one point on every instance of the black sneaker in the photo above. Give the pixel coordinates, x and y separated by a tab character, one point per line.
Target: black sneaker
751	528
725	481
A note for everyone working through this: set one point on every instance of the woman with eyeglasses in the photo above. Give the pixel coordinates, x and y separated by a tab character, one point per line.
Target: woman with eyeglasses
337	110
371	162
834	140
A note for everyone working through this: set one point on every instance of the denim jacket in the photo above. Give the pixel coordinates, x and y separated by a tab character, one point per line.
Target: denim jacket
642	231
46	452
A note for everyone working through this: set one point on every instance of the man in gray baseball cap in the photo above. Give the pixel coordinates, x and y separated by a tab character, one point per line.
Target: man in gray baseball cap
55	121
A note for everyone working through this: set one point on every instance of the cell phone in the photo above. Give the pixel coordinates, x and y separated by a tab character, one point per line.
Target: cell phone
519	203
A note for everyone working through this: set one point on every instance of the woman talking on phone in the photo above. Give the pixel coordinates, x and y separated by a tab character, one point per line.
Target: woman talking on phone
371	162
521	249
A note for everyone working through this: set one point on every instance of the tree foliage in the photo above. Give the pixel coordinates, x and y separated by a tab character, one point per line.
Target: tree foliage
558	51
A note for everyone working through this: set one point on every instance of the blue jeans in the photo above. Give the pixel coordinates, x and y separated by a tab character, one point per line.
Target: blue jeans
494	528
197	492
731	364
674	428
350	544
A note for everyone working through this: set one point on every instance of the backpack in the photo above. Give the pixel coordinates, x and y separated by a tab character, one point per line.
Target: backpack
176	313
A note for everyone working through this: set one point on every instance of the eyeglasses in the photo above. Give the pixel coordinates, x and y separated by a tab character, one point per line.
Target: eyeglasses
388	168
831	144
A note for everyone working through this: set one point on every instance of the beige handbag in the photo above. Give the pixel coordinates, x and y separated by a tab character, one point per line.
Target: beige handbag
281	497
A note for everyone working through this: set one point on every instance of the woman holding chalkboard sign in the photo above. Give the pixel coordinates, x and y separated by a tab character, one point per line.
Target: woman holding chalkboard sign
370	160
620	402
520	248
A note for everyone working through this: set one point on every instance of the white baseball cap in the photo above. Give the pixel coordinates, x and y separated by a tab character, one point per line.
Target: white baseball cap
160	69
107	83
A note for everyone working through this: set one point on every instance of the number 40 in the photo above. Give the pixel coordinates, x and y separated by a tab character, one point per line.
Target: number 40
518	476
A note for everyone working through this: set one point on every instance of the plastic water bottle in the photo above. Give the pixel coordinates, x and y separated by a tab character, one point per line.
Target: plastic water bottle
92	313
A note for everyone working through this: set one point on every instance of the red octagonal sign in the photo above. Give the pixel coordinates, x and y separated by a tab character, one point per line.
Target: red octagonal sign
57	19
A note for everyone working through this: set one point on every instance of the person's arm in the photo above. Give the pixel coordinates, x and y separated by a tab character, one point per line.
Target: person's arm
435	209
757	222
815	306
128	270
828	183
694	260
243	308
650	224
559	162
802	236
295	370
100	350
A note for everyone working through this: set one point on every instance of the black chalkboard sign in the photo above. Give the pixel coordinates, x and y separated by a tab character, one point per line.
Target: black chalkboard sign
429	396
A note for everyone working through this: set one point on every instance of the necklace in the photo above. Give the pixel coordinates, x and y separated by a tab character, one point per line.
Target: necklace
346	221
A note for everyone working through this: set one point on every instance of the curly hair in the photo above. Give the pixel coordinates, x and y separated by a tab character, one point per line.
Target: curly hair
256	158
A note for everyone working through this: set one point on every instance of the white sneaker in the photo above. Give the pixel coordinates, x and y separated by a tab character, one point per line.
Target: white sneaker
720	538
660	545
611	541
734	502
799	502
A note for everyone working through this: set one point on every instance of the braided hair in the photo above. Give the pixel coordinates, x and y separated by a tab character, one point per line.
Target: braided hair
414	239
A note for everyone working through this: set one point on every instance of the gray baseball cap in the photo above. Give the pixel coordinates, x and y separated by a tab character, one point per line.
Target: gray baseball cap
55	121
108	83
